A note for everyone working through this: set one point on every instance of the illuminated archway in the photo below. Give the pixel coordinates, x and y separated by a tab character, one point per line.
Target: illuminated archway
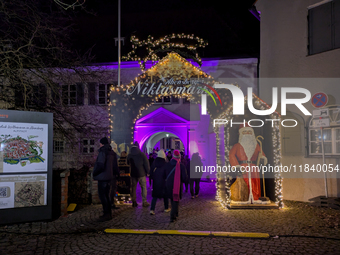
162	121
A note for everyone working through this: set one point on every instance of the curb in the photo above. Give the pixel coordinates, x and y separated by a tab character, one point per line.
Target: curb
188	233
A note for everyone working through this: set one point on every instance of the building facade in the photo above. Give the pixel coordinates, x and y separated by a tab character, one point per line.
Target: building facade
300	47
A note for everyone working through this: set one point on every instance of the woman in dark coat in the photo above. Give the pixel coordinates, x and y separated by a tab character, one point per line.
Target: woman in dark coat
175	175
158	182
195	161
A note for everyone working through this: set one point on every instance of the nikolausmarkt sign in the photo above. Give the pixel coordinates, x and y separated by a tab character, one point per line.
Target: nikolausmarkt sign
166	87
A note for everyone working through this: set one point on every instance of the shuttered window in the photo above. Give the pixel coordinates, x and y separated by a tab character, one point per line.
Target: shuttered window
324	27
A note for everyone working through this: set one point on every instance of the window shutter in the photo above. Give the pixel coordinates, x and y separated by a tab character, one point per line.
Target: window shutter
42	95
80	94
55	93
336	23
320	28
19	99
92	93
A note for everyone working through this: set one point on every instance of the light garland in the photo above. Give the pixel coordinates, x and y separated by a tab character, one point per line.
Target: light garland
276	149
164	44
157	71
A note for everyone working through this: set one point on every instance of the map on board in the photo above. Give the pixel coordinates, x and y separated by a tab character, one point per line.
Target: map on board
19	150
23	147
25	190
29	194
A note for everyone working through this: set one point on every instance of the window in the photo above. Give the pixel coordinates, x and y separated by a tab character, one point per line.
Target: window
104	94
167	100
324	27
175	100
331	134
331	138
73	94
99	94
58	146
38	96
88	146
186	100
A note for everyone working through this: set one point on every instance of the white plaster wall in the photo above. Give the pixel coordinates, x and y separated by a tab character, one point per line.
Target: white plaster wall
284	40
284	54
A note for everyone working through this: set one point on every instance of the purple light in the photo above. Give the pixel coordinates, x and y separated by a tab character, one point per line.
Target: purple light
162	121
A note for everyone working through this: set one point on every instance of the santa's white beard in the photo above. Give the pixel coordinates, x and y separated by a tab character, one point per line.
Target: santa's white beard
248	143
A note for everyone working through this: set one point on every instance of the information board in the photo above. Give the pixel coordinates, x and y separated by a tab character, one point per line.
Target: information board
26	140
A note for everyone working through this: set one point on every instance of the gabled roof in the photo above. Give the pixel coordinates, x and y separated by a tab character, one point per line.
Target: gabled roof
171	66
161	116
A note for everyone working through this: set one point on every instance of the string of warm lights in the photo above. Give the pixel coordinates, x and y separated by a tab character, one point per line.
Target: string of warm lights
276	140
153	47
154	74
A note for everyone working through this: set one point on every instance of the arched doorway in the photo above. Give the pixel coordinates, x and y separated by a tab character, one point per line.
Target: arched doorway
163	140
161	124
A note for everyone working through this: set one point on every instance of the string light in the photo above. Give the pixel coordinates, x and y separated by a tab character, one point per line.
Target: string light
164	68
276	140
154	47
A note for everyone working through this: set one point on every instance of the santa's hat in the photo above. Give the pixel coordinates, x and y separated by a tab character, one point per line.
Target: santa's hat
244	126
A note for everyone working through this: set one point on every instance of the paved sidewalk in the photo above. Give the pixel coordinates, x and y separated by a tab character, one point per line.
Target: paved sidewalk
296	229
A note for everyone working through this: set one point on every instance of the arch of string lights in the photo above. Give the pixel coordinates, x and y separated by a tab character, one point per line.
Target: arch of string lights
223	196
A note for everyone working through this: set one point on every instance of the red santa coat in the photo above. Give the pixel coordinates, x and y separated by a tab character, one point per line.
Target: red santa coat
236	155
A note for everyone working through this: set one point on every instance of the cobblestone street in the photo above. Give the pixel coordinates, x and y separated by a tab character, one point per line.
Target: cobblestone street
298	228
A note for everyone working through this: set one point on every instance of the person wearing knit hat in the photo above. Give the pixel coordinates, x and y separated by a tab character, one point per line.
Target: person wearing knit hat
157	173
161	154
104	141
176	154
105	168
175	175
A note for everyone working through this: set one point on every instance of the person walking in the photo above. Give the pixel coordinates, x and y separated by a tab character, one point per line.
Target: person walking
157	173
175	175
169	156
139	169
195	180
185	161
104	168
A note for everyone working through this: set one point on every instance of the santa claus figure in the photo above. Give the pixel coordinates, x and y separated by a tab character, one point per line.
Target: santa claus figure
245	153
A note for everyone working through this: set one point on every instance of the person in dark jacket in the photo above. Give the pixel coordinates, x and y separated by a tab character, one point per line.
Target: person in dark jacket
196	179
115	177
158	182
175	175
169	156
104	168
151	159
139	169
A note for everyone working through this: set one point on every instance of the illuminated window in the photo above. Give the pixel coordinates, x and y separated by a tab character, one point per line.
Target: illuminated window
331	138
331	134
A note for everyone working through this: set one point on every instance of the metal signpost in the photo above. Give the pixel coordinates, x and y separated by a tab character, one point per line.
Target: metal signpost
322	122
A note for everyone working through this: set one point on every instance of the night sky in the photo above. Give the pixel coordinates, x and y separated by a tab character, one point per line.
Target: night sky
228	26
